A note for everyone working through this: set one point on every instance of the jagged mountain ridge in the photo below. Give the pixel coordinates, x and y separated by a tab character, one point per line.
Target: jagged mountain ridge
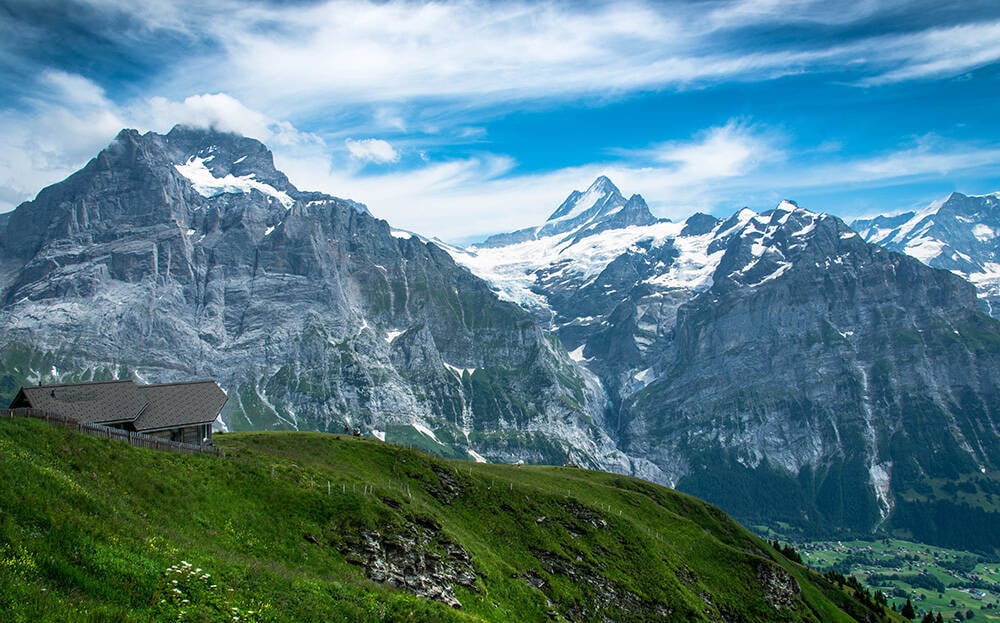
959	233
599	208
189	255
775	364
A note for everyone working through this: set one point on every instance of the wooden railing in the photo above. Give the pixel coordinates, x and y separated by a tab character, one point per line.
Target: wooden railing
139	440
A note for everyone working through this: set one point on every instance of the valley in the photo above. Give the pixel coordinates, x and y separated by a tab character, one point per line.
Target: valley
933	578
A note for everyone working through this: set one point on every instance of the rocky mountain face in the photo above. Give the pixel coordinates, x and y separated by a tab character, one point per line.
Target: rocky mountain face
776	363
960	233
189	255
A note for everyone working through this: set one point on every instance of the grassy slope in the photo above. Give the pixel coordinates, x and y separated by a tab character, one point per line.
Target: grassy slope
89	530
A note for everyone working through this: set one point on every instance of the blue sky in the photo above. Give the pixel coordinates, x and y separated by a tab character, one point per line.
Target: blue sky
460	119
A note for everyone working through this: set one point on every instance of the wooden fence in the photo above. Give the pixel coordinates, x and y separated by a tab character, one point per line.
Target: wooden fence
139	440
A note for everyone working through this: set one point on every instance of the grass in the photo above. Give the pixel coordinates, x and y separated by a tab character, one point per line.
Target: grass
92	530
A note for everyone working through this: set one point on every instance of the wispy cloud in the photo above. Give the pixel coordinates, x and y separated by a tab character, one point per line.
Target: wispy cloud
718	171
420	74
935	52
55	136
349	53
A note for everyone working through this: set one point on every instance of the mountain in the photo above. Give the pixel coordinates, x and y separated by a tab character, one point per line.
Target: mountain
189	254
960	233
778	365
314	527
601	207
775	363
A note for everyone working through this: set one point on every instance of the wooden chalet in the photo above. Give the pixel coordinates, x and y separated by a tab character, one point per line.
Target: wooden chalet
182	412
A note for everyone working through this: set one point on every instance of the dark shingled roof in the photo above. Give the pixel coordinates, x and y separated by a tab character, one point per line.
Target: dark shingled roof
175	405
147	407
102	402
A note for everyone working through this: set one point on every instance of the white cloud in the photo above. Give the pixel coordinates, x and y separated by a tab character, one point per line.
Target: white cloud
372	150
938	52
54	137
330	56
726	151
221	112
469	198
72	119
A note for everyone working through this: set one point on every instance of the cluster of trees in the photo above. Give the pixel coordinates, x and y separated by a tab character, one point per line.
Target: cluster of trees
916	580
874	603
908	612
787	551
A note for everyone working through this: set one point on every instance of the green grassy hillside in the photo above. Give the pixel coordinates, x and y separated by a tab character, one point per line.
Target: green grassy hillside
313	527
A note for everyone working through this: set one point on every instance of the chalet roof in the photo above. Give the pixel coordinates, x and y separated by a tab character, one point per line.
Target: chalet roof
147	407
100	402
174	405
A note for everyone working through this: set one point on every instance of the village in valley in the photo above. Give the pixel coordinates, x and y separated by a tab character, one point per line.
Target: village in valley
951	582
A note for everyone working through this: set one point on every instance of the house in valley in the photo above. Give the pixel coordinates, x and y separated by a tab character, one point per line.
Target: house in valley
182	412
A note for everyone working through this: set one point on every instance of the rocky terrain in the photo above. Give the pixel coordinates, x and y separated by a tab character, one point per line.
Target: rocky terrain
189	255
959	233
776	363
773	363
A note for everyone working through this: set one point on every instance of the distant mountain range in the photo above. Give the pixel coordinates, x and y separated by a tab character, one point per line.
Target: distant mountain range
776	364
959	233
773	363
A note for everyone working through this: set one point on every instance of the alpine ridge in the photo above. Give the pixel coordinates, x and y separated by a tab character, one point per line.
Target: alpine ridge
776	364
959	233
188	254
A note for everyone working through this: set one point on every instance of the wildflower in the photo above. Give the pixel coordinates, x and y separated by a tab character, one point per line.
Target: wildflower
184	601
174	581
213	586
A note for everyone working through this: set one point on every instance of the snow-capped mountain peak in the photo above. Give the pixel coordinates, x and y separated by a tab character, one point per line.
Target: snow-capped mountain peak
583	213
602	194
960	233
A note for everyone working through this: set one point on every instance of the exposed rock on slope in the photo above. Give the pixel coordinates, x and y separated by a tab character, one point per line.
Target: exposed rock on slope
775	364
960	234
190	255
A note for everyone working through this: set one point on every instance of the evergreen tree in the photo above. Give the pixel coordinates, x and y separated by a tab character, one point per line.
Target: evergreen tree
908	611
